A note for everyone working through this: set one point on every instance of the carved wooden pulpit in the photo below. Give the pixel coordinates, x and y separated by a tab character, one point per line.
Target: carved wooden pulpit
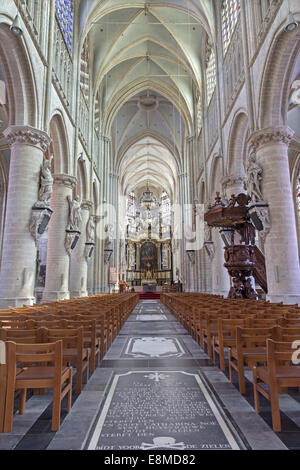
244	259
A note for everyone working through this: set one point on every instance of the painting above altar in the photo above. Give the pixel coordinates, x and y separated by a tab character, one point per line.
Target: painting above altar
148	258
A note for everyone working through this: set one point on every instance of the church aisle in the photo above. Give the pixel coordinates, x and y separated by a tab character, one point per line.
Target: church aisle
162	392
155	389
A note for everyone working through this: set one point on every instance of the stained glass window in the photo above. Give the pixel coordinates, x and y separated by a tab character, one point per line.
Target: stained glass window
64	13
210	75
230	16
165	202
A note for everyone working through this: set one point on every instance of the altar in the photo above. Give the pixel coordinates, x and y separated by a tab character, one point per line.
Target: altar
149	285
149	288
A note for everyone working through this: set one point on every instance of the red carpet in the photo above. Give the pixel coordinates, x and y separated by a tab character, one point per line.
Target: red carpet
149	296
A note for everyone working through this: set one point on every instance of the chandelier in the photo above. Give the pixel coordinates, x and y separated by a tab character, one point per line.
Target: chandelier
148	200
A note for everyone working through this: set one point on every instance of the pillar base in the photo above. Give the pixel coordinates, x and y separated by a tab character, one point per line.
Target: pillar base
287	299
78	293
224	293
16	302
55	295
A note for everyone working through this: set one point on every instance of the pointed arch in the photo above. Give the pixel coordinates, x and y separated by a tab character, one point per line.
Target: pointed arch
276	79
60	143
21	87
237	144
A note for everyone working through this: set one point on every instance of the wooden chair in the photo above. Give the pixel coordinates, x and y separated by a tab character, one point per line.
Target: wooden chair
278	374
73	350
21	335
250	348
42	376
90	338
225	337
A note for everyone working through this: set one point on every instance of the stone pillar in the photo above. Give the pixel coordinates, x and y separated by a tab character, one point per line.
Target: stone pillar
191	278
18	269
138	256
281	248
57	271
79	264
97	258
91	275
158	249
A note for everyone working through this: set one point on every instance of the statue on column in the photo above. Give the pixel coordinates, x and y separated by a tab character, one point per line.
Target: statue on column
254	178
74	213
259	209
46	183
41	211
90	230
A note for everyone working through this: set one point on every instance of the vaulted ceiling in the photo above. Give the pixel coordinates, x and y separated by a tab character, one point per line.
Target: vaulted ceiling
147	61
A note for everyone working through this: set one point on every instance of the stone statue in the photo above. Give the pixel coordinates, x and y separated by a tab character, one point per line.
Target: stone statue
148	273
46	182
165	256
74	213
264	216
254	177
90	230
131	257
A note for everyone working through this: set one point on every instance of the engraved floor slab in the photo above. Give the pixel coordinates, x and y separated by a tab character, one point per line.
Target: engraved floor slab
151	317
154	347
151	410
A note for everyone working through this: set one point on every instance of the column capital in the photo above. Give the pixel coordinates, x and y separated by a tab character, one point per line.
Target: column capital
86	205
282	134
66	180
27	135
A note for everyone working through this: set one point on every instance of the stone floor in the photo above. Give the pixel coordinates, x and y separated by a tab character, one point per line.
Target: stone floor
156	389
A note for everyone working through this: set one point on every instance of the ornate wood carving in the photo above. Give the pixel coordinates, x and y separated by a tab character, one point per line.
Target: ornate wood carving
242	260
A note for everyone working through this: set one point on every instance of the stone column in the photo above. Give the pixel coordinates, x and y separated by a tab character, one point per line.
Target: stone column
18	269
281	248
91	274
191	279
79	264
57	271
138	256
158	250
97	258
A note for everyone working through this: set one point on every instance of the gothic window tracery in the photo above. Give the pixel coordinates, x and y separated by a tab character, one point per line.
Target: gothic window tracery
65	16
131	204
84	70
210	72
199	114
230	16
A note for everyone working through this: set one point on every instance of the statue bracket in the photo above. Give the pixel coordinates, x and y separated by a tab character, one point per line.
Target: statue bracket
72	237
260	217
88	250
40	216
